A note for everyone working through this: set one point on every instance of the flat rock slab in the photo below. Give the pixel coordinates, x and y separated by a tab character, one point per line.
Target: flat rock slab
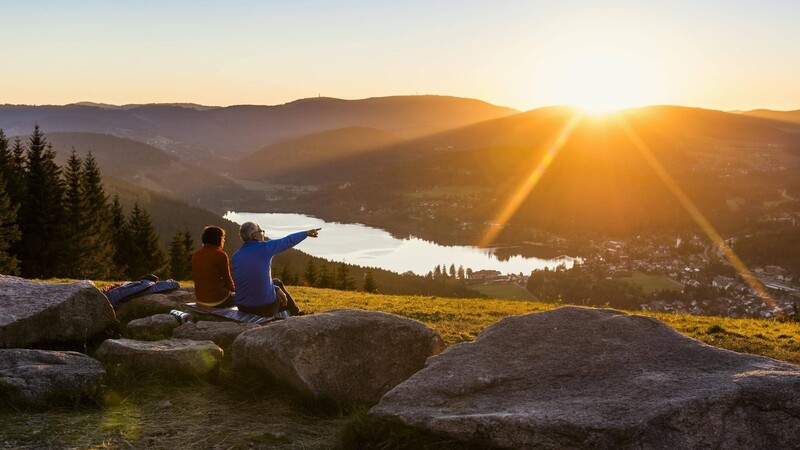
221	333
41	378
153	328
593	378
146	306
44	314
172	358
342	355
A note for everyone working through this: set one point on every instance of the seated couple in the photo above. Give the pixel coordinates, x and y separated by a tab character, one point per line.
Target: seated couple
247	282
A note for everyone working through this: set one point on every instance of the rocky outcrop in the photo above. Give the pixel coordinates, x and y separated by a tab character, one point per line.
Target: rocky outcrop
590	378
343	355
51	314
153	328
221	333
41	378
146	306
173	358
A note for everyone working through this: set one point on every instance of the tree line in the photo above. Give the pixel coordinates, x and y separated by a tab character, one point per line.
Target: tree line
57	222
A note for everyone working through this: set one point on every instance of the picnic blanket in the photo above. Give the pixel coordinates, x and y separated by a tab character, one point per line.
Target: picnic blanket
230	314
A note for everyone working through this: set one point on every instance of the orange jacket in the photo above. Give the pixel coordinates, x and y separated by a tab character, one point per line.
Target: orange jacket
211	273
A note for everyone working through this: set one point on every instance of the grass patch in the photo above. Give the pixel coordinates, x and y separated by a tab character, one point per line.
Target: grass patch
508	291
652	283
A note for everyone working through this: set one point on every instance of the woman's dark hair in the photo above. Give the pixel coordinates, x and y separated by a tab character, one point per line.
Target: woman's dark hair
213	235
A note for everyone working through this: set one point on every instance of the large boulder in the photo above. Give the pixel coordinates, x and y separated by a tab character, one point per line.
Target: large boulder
182	295
153	328
221	333
146	306
173	358
342	355
54	315
42	378
596	378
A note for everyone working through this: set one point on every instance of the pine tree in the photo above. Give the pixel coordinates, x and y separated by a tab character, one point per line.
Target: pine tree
287	275
188	244
325	280
74	218
120	237
178	267
98	261
452	271
144	255
15	174
437	273
41	212
461	273
310	274
369	282
343	280
9	232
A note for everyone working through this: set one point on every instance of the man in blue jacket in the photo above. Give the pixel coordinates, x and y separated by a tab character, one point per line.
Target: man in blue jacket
256	291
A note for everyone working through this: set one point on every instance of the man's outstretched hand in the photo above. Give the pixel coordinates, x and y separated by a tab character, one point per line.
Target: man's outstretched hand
313	233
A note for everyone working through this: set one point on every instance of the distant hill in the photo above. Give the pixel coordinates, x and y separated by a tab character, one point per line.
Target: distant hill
148	167
599	181
290	161
193	133
784	116
663	127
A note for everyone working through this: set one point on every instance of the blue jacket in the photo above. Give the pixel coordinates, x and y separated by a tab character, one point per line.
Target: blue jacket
251	266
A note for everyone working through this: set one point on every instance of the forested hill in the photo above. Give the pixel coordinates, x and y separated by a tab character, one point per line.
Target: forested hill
148	167
599	180
194	133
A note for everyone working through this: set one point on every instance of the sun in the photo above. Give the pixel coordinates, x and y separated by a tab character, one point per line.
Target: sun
601	83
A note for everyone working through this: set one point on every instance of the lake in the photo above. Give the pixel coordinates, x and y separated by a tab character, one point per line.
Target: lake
372	247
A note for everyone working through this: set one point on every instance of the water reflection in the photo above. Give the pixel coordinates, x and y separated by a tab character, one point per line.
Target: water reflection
373	247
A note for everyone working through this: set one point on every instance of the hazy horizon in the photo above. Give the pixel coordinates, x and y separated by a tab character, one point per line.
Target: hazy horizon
724	55
190	103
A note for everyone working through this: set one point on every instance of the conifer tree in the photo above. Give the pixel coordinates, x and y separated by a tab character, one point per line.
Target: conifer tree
369	282
325	280
342	278
310	274
178	265
188	244
144	255
98	261
5	157
120	237
452	271
41	212
74	218
287	275
9	232
461	273
15	172
437	273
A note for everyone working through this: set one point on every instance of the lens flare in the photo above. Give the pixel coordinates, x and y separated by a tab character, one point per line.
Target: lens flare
527	185
694	212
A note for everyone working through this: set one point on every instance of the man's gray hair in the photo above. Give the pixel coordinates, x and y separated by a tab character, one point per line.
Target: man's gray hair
247	229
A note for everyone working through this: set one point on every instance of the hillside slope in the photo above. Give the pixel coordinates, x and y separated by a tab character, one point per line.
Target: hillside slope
599	179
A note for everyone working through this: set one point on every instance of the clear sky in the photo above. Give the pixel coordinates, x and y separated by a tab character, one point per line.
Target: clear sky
722	54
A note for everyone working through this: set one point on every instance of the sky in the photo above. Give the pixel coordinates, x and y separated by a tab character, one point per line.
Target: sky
732	54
